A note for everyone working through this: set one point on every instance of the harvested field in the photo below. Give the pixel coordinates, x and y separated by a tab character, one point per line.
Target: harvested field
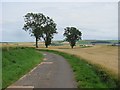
103	55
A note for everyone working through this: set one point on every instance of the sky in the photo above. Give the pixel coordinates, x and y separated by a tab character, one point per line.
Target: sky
96	20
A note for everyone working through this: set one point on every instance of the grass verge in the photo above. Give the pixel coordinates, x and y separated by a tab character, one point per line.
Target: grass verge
16	62
87	75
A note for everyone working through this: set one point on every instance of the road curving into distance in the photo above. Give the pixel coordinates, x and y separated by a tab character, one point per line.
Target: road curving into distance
53	72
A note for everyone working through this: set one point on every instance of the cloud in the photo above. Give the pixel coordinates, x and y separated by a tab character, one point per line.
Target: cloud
12	33
95	20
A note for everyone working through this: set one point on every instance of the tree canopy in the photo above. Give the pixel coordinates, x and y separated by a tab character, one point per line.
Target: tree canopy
43	27
48	31
40	26
72	35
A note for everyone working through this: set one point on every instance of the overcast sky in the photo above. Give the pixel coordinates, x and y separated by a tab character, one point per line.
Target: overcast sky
96	20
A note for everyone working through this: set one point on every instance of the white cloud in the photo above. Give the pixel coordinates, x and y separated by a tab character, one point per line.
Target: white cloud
94	19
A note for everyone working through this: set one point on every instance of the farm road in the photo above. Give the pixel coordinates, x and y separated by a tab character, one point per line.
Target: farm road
54	72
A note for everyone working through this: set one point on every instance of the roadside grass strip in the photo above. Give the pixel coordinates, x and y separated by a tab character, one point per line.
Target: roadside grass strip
16	62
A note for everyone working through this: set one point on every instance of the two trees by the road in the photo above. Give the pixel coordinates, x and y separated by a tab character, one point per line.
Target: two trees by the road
41	26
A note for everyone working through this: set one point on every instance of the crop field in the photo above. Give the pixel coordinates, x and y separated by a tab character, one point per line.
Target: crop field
86	74
102	55
106	56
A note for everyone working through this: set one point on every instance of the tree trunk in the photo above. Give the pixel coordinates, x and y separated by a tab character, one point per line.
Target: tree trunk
36	42
46	45
71	46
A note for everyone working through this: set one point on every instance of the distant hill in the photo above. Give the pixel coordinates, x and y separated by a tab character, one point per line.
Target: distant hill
97	41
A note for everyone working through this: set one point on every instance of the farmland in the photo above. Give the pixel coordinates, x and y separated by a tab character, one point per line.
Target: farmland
86	74
104	56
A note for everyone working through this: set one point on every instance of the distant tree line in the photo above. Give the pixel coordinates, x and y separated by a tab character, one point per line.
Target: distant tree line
43	27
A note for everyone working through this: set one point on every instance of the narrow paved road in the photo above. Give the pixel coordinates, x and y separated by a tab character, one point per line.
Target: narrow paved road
54	72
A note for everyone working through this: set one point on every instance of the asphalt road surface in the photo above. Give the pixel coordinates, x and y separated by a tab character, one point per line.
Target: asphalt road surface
53	72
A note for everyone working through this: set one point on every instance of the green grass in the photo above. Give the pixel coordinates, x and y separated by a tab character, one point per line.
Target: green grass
87	75
16	62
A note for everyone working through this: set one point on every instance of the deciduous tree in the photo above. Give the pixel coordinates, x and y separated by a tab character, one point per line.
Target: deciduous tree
49	30
72	35
34	23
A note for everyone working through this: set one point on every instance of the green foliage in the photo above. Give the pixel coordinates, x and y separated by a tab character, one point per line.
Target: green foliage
33	24
48	31
40	26
72	35
16	62
87	75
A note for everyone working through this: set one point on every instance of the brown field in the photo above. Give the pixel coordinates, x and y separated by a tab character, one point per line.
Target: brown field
103	55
